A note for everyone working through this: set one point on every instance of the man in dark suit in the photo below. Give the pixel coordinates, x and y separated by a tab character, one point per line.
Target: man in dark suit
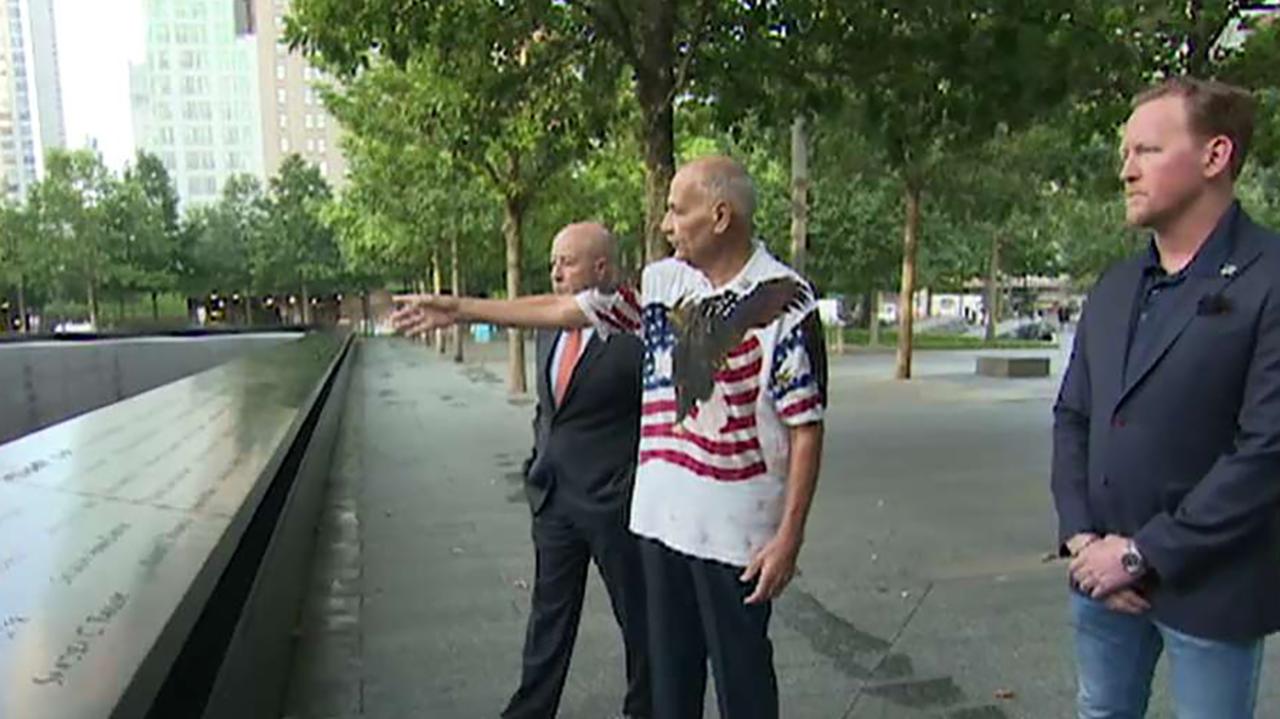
579	486
1166	466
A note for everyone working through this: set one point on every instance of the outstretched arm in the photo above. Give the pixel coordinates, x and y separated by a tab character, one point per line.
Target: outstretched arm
419	314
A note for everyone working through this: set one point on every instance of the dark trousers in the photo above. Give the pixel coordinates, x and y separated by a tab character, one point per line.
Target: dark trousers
696	612
566	540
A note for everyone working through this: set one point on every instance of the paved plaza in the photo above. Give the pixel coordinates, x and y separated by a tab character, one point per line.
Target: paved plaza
924	588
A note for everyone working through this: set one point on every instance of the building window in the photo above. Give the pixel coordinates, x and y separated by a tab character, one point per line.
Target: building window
321	121
202	185
321	145
189	35
197	111
200	161
282	96
192	60
200	136
324	167
311	121
284	121
311	145
195	85
284	144
280	71
311	96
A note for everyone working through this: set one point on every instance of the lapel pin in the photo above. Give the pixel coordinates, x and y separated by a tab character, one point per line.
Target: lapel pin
1228	270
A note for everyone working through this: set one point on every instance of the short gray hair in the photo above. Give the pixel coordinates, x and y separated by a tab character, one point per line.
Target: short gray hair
726	180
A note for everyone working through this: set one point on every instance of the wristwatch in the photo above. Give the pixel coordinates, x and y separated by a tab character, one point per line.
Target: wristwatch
1132	561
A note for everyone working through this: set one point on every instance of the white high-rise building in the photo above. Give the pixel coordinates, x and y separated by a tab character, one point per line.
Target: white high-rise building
294	119
195	98
30	94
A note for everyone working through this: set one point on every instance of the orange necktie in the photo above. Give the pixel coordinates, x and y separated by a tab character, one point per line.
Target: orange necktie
568	360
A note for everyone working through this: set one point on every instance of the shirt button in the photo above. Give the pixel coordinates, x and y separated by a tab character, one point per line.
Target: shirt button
1106	481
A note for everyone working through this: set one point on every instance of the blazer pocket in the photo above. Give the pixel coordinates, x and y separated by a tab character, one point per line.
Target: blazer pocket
1222	327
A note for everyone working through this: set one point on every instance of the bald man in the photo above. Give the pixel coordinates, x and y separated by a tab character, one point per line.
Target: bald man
731	431
578	483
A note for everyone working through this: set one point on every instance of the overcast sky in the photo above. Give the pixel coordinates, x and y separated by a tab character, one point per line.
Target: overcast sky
97	40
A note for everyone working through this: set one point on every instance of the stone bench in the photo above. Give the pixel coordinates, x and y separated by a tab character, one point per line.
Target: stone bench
1013	366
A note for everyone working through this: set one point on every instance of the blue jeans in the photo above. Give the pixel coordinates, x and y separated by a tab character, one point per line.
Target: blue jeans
1116	656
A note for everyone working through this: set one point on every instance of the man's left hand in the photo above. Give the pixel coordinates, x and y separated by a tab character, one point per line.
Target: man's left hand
772	567
1097	570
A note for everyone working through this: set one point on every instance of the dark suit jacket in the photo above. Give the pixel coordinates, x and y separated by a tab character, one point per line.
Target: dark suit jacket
585	449
1185	456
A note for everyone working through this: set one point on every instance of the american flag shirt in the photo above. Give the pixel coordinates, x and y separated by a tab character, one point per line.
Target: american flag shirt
713	484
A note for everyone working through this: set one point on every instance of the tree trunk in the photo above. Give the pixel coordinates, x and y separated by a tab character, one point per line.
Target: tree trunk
1196	42
513	231
93	304
864	311
248	307
993	289
23	325
928	302
906	316
437	287
455	282
306	305
365	325
155	306
120	306
799	193
873	329
655	91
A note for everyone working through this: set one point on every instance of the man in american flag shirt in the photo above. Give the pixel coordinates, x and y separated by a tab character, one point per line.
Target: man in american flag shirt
731	432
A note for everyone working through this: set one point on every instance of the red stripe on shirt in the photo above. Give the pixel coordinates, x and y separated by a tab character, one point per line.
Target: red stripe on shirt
748	346
738	374
702	469
803	405
737	424
725	449
617	318
742	398
629	296
662	405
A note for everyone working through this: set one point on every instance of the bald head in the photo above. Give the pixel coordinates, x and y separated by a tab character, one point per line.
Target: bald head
710	209
583	255
724	179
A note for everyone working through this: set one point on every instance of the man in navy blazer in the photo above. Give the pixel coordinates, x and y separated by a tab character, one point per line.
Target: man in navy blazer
578	483
1166	442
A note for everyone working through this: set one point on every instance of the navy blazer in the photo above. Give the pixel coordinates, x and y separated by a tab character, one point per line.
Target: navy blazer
586	448
1185	456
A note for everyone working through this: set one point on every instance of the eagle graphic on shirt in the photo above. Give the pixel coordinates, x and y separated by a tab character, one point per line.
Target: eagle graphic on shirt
706	330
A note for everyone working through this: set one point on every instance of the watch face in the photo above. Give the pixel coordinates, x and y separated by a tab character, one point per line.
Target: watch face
1131	561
